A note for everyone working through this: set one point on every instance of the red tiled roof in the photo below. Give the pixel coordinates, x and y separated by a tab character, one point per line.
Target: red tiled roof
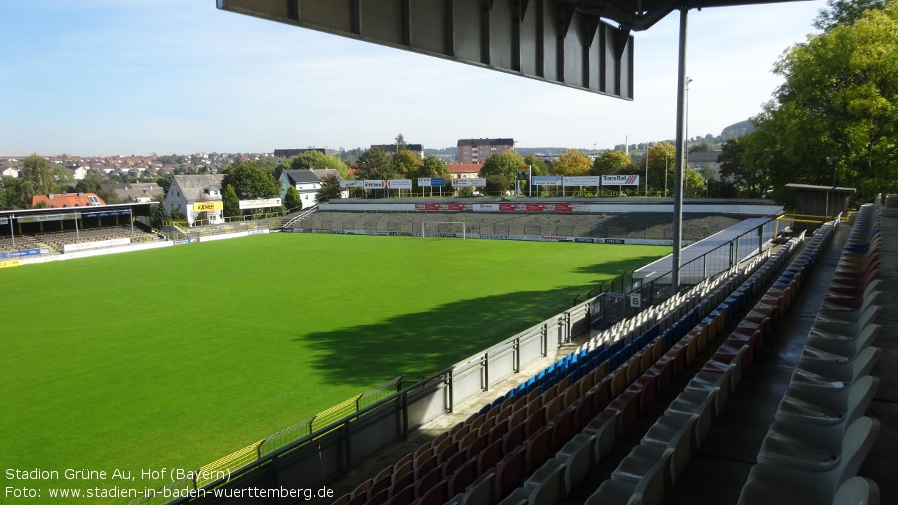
465	168
66	200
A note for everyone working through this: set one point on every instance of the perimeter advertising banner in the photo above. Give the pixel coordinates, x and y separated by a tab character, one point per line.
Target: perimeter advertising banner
48	217
208	206
260	204
620	180
546	180
473	182
588	180
431	182
352	184
389	184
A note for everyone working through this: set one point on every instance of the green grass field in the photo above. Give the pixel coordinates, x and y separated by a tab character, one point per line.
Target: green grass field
178	356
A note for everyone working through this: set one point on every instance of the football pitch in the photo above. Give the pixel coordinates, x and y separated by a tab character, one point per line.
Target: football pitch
174	357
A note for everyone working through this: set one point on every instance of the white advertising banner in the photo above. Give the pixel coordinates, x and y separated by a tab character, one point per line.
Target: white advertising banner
352	184
546	180
588	180
476	182
260	203
400	184
376	184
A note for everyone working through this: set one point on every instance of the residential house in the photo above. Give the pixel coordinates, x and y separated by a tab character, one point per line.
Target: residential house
9	172
67	200
465	170
698	161
306	182
141	192
479	150
197	198
78	173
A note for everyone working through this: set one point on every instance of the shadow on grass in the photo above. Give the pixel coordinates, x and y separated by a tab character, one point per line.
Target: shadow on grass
422	343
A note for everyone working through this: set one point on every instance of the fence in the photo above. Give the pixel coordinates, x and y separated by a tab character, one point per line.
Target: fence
329	446
624	296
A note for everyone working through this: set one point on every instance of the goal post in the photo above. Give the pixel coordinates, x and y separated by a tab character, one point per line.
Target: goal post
436	229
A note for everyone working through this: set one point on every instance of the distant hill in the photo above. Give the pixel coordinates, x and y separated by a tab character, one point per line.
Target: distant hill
737	130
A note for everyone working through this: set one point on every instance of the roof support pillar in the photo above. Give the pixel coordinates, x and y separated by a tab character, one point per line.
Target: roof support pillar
681	156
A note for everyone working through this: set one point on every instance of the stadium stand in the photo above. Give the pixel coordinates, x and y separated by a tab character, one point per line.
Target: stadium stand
666	407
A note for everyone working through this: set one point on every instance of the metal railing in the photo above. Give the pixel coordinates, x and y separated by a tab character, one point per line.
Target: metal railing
329	446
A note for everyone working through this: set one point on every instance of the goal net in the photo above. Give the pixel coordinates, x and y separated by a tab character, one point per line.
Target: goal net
443	229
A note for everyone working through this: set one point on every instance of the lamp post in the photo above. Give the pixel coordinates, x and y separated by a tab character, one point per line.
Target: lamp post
646	169
686	126
832	161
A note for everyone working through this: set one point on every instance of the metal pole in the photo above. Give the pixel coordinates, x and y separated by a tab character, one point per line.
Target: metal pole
678	170
12	230
646	169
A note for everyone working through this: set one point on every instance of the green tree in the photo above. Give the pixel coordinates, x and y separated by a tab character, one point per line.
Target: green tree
661	166
702	146
90	183
401	144
571	163
839	99
330	188
158	217
251	181
292	201
16	193
844	12
612	163
404	164
37	173
317	159
230	201
537	165
373	164
500	171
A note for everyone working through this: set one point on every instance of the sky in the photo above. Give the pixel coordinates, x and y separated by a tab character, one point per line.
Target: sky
122	77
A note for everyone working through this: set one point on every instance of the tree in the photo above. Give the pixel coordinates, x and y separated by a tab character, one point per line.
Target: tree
401	144
17	193
330	188
159	216
661	166
292	201
572	163
612	163
537	165
844	12
373	164
90	183
702	146
317	159
37	173
230	201
839	99
404	164
500	171
251	182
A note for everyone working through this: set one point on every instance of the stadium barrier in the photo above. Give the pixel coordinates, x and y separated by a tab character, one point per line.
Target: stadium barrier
331	449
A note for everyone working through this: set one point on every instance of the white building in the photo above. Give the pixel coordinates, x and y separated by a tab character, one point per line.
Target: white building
197	198
306	182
